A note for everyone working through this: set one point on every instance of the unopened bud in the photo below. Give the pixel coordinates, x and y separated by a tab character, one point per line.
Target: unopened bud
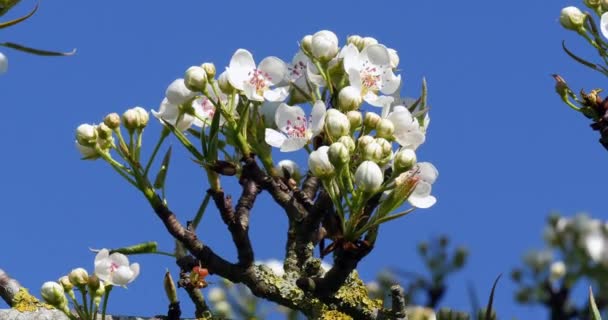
216	295
79	277
93	283
289	169
337	123
387	147
349	99
338	154
369	177
593	4
348	142
373	152
364	141
385	128
135	118
572	18
558	270
86	135
103	131
404	160
195	78
209	69
65	283
324	45
368	41
319	164
355	40
371	120
355	118
306	43
224	83
112	120
53	294
170	288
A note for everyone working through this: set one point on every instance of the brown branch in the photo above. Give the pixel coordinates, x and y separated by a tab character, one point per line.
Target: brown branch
8	287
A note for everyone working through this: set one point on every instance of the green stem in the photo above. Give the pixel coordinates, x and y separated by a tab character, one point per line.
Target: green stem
83	293
140	134
119	168
164	134
105	301
77	307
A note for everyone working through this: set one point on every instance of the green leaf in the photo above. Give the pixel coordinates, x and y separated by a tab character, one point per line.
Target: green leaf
6	5
583	61
491	299
37	52
184	141
140	248
213	137
14	22
159	182
594	310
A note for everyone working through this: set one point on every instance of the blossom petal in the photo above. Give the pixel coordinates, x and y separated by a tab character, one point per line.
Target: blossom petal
275	70
251	92
293	144
427	172
269	111
376	54
177	93
276	94
288	115
604	24
390	82
241	64
135	269
421	197
351	59
318	117
122	275
274	138
3	63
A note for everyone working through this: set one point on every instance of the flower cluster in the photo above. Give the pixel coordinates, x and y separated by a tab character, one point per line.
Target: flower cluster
339	103
110	270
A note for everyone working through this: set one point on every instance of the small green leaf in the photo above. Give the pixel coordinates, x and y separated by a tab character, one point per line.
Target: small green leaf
6	5
184	141
14	22
140	248
159	182
37	52
594	310
583	61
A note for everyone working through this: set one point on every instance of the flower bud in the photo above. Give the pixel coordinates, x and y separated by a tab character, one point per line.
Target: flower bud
223	309
404	160
355	40
324	45
604	5
52	292
558	270
355	118
93	283
364	141
195	78
65	283
572	18
319	164
371	120
224	83
290	168
112	120
373	152
209	69
170	288
394	58
3	63
135	118
103	131
369	177
86	135
349	99
79	277
337	123
306	43
385	128
387	147
593	4
368	41
348	142
338	154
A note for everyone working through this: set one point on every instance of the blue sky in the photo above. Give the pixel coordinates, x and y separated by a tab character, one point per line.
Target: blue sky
508	151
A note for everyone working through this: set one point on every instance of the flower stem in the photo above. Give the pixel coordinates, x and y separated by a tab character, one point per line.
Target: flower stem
164	134
105	301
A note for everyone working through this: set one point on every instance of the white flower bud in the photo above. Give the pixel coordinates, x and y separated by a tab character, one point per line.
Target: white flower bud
65	283
195	78
355	40
385	128
404	160
557	270
3	63
306	43
387	147
373	152
209	69
572	18
319	164
52	292
112	120
338	154
177	92
224	83
135	118
369	177
86	135
216	295
355	118
291	167
368	41
349	99
79	277
371	120
324	45
348	142
364	141
392	53
337	123
593	4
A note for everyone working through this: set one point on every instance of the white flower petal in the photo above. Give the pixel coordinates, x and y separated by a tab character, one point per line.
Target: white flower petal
604	24
318	117
274	138
427	172
274	69
177	93
293	144
421	197
3	63
251	92
287	116
350	54
376	54
241	64
390	82
276	94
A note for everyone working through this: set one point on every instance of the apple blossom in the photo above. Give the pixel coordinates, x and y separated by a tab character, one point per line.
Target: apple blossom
369	176
255	81
369	71
295	129
421	197
177	92
408	132
114	268
319	164
171	113
3	63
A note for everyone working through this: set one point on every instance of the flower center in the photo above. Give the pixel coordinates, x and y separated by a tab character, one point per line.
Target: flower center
260	80
297	70
370	78
297	128
113	267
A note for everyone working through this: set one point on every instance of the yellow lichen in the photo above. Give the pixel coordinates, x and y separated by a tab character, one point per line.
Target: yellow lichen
24	302
335	315
355	293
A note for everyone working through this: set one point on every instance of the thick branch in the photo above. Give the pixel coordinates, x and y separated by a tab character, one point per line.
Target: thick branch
8	287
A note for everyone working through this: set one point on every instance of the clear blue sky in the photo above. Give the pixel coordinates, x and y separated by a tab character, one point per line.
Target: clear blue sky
508	151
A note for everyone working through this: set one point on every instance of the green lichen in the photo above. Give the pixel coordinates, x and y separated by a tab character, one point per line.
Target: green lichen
335	315
25	302
354	293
